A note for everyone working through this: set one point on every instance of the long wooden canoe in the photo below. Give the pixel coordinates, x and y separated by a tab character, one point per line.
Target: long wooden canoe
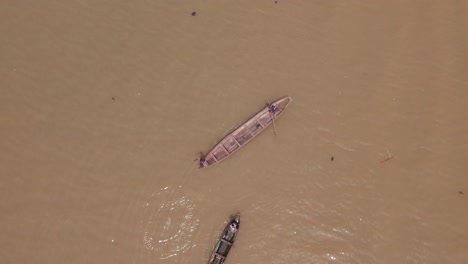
226	241
245	132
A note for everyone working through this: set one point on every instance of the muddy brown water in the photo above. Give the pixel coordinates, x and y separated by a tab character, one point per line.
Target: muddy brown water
104	106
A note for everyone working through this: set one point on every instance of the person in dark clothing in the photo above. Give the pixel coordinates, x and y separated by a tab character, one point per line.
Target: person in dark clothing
202	162
272	108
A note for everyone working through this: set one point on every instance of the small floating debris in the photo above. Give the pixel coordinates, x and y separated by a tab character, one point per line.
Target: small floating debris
460	192
389	157
194	13
113	98
332	158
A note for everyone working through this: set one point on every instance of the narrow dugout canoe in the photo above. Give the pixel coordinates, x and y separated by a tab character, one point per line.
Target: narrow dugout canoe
226	241
245	133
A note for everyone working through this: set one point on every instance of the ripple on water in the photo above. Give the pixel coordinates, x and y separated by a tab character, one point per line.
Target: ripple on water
168	224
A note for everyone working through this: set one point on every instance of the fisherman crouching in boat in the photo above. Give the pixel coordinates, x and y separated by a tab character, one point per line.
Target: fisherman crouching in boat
202	162
272	108
233	227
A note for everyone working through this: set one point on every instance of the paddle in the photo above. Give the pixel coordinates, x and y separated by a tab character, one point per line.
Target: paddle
272	117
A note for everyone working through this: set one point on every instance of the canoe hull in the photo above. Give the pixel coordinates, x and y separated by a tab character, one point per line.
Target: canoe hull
226	241
245	133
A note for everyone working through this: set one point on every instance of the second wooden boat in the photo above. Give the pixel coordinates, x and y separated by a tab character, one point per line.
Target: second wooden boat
245	132
225	242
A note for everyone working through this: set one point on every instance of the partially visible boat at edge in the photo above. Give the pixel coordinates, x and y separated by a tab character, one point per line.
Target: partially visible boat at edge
226	241
245	132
